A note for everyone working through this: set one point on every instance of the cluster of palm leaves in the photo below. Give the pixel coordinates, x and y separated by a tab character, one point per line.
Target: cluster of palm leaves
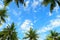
9	33
31	35
3	12
6	2
3	15
52	3
53	36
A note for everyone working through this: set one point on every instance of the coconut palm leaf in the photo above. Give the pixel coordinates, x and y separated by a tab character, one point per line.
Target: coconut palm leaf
9	33
52	3
31	34
53	36
3	15
6	2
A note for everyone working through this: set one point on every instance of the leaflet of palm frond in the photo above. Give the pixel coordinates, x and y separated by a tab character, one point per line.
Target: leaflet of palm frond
2	12
3	20
1	35
46	2
14	36
52	6
17	3
12	27
21	1
6	2
58	3
24	5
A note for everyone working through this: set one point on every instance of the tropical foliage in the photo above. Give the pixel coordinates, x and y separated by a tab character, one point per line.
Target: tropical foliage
31	35
6	2
53	36
9	33
3	15
52	3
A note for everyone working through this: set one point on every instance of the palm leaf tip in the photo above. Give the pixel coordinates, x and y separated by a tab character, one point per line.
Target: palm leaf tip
21	1
17	3
2	15
52	6
46	2
6	2
3	20
2	11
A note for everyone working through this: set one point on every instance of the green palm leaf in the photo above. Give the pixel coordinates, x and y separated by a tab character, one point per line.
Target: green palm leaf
3	15
46	2
6	2
31	34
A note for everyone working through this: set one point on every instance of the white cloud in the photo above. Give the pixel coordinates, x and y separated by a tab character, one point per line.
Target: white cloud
58	16
16	13
53	24
50	13
35	3
26	25
1	6
27	3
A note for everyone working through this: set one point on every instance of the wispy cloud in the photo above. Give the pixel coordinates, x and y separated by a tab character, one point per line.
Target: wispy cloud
26	25
34	4
52	24
16	13
1	6
27	3
50	14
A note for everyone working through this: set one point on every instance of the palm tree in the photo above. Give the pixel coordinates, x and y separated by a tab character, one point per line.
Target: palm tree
9	33
32	35
52	3
3	15
53	36
6	2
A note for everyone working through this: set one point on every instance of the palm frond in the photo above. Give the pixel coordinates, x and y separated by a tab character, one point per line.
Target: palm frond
6	2
46	2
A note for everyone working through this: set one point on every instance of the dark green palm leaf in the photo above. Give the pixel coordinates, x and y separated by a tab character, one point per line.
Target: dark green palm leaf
17	3
12	27
3	20
46	2
2	15
32	35
52	7
21	1
58	3
6	2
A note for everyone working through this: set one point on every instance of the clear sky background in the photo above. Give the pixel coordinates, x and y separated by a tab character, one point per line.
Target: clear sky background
33	15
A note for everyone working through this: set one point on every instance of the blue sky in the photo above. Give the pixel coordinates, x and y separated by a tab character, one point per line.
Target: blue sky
33	15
